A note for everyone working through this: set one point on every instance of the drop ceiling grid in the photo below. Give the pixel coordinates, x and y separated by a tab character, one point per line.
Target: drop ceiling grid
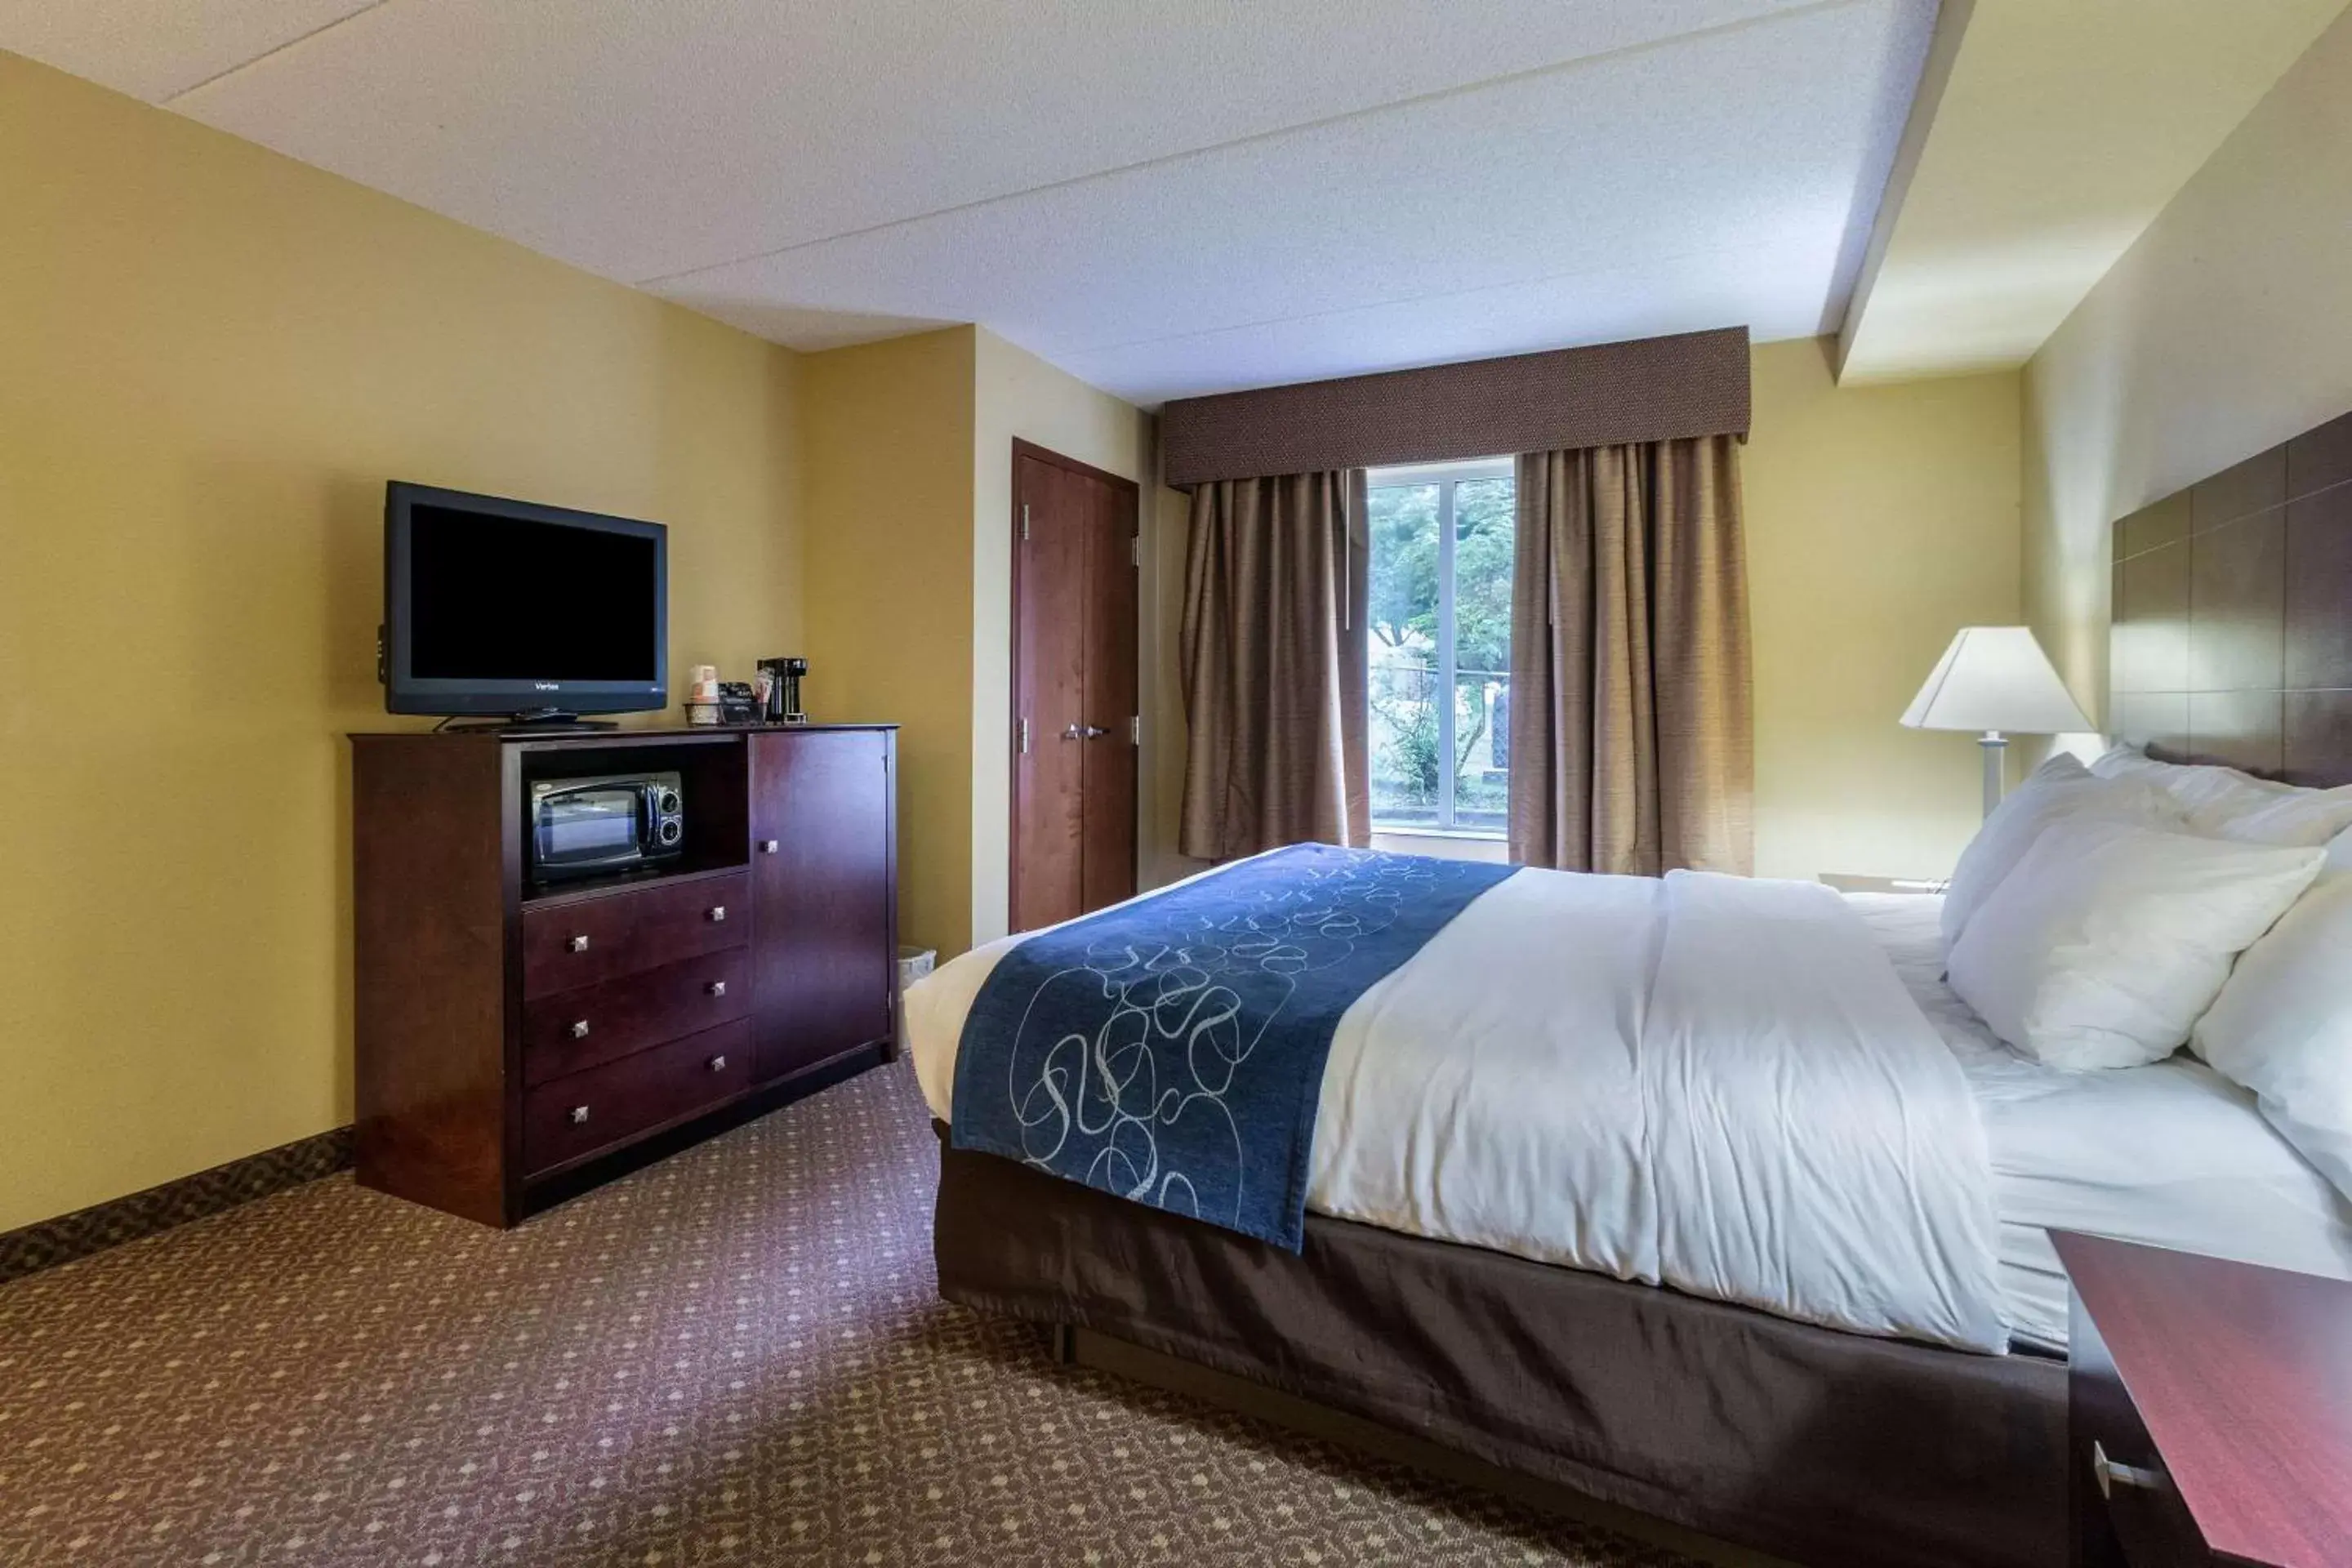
640	141
1654	191
1161	198
154	49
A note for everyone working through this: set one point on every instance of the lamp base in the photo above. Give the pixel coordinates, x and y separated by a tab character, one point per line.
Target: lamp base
1996	767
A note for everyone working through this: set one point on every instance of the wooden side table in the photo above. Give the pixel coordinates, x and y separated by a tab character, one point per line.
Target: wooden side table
2210	1410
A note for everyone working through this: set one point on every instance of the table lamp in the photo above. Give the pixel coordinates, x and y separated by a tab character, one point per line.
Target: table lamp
1994	679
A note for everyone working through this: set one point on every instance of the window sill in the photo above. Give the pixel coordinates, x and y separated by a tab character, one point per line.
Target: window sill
1418	830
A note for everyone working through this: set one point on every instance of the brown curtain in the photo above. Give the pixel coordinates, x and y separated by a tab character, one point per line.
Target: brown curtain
1273	652
1633	745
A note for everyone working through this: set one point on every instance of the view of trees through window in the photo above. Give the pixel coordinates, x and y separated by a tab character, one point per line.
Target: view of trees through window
1441	646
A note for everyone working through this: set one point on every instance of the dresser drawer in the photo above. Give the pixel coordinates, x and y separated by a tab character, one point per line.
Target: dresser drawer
2117	1474
584	1112
597	1024
581	943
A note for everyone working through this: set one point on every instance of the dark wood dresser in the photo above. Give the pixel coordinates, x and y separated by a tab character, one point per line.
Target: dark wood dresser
517	1042
2210	1410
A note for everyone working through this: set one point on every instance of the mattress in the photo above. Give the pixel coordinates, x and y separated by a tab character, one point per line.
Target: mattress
2173	1154
1713	1083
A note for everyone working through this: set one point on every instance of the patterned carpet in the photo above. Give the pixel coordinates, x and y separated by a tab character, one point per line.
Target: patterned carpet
736	1357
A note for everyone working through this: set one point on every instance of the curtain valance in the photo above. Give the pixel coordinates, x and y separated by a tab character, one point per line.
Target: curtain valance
1650	389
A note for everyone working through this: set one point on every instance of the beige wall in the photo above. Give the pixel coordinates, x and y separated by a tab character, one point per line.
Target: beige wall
2047	136
910	457
2225	330
1017	394
1880	519
887	434
211	359
216	356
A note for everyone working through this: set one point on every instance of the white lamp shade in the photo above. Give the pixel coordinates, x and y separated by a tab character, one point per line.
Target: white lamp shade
1996	678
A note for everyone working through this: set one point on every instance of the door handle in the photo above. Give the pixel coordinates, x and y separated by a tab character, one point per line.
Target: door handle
1085	732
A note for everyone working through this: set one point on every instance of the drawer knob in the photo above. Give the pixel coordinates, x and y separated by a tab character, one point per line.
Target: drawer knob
579	944
717	912
2111	1474
719	1064
718	988
769	847
579	1028
579	1114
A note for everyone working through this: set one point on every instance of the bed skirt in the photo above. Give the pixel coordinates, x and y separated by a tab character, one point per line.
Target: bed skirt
1807	1443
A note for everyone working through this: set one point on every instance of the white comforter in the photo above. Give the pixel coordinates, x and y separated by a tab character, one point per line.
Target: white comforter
1708	1082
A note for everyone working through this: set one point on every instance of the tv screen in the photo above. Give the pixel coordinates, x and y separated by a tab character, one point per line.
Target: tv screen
502	607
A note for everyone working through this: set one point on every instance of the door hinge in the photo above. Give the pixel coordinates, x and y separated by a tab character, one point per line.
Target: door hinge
1024	520
1024	736
1135	731
1135	549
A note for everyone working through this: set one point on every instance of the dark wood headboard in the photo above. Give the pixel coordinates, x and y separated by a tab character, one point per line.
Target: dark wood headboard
2232	634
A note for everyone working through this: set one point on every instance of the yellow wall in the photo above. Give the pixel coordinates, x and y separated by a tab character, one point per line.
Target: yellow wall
2061	130
1880	519
909	451
216	356
1019	394
2226	329
888	436
211	359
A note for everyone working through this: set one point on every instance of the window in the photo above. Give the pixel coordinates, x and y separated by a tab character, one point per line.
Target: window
1441	646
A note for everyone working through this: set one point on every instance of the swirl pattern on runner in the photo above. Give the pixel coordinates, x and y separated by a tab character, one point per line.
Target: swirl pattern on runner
1127	1060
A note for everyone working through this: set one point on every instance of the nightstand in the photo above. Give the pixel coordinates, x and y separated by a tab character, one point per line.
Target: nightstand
1853	882
2210	1410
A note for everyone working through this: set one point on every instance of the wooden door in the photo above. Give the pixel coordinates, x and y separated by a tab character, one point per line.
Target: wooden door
1106	785
1074	688
824	906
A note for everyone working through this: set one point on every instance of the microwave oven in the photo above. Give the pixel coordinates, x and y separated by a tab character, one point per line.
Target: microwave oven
587	828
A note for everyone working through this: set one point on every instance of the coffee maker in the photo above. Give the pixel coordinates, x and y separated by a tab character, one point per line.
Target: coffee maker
782	703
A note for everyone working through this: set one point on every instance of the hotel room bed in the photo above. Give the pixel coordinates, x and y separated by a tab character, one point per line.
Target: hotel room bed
1822	1445
2173	1154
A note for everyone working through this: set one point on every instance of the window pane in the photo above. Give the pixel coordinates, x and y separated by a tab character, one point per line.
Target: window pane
1484	517
1403	676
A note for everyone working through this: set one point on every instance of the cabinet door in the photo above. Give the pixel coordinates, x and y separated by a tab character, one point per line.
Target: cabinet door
823	867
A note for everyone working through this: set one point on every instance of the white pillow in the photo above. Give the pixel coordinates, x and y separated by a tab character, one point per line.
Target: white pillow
2222	803
2058	789
2282	1027
2108	939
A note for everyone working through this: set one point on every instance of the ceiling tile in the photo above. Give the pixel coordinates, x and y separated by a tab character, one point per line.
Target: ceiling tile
152	49
639	141
1171	199
1536	197
1683	294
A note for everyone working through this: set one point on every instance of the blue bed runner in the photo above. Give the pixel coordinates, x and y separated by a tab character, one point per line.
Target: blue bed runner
1171	1050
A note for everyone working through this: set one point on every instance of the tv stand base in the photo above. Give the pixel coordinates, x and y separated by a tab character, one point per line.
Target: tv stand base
539	722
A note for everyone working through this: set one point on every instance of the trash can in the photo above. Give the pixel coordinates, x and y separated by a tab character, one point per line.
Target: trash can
913	962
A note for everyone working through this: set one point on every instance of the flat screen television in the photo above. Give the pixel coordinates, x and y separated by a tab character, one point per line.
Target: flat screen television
494	607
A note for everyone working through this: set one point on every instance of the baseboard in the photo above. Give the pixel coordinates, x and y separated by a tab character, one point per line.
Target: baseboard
51	1242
